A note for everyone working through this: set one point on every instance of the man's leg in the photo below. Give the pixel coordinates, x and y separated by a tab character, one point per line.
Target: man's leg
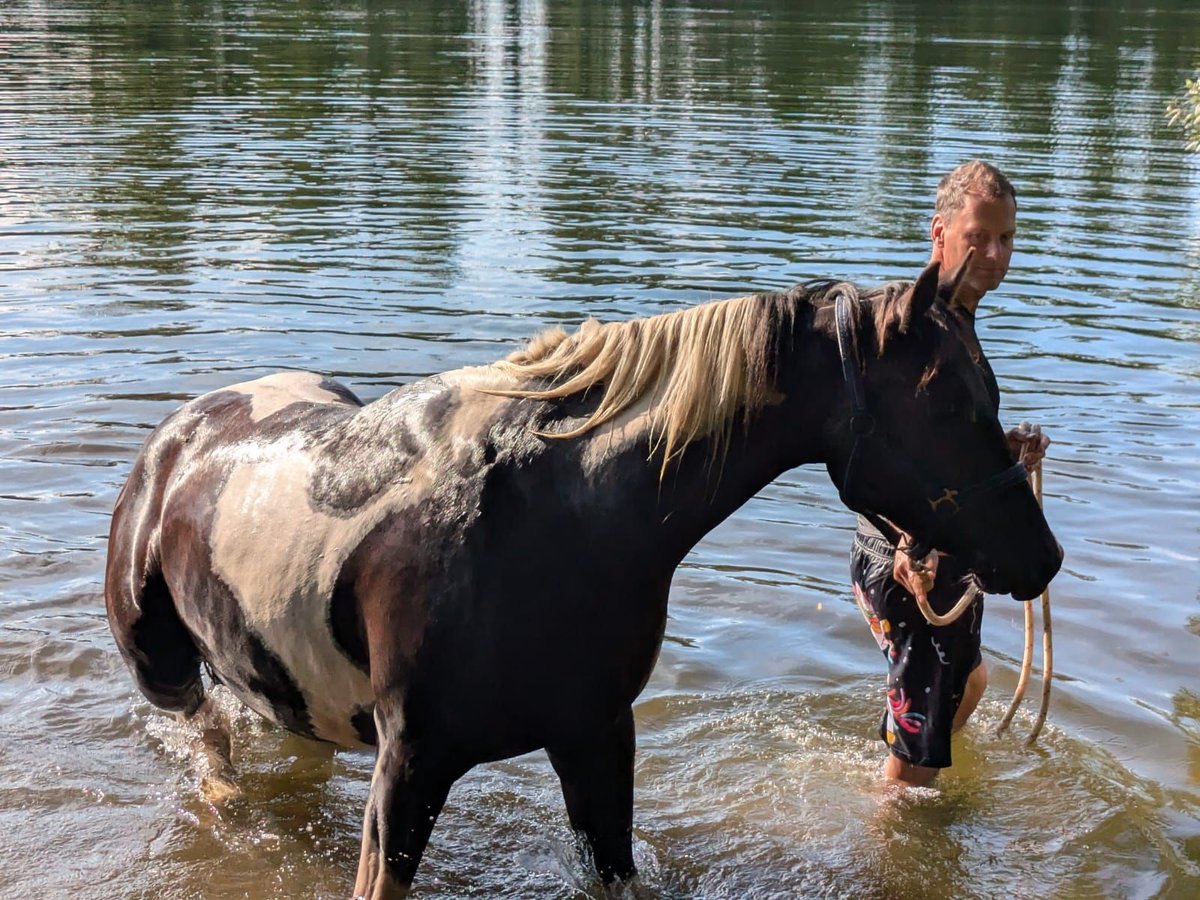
905	773
887	607
972	693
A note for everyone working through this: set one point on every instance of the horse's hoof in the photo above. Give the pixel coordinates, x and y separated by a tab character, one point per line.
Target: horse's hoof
219	789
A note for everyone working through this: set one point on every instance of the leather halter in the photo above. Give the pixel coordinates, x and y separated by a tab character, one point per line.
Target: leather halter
944	502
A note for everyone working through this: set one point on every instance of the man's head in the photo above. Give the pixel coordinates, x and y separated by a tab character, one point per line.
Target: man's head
976	207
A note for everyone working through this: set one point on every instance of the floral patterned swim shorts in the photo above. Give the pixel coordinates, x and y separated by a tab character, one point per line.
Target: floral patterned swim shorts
927	665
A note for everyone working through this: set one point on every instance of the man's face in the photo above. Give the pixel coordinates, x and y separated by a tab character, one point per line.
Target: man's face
989	225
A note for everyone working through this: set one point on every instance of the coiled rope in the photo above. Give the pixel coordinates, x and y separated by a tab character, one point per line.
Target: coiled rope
973	591
1035	479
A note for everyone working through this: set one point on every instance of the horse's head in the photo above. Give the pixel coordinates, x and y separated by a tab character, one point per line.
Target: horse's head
920	442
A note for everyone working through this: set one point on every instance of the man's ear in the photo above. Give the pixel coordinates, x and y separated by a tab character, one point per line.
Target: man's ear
937	235
949	290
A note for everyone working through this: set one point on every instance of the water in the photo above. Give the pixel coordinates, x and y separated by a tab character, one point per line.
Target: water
196	193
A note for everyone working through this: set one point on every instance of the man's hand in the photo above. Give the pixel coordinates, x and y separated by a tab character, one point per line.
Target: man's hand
914	576
1028	444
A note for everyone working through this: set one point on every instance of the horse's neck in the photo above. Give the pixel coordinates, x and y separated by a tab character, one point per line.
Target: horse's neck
700	491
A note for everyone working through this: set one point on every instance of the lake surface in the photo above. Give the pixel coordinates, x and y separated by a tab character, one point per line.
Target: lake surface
196	193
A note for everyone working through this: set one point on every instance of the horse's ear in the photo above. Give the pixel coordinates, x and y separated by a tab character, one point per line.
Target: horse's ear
949	290
924	291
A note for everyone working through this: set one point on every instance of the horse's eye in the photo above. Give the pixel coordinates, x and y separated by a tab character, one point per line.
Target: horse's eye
945	410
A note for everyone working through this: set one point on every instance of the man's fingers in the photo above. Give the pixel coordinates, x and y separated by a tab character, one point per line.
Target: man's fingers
918	581
921	592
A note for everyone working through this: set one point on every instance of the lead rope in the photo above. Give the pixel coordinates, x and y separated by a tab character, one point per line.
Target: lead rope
957	610
1035	479
1047	638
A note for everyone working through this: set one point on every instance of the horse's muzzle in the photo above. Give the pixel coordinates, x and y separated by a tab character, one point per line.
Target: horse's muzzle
1028	582
1024	580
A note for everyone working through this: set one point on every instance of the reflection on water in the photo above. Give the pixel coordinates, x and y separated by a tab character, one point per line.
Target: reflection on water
194	194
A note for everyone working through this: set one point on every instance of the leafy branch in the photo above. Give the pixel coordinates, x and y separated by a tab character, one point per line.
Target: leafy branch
1184	111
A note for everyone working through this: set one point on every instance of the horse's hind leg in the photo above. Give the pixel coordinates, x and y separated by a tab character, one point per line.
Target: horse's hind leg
408	790
166	665
597	784
213	750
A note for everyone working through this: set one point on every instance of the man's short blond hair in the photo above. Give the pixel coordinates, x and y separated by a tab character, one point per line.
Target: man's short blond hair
977	178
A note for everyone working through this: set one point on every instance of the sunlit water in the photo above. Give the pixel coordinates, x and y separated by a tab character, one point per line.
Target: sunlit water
193	194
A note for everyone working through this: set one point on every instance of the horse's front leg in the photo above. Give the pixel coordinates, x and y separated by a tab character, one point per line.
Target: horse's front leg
597	784
408	790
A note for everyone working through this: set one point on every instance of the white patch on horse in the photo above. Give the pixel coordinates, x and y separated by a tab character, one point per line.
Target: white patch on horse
272	393
476	408
282	558
463	435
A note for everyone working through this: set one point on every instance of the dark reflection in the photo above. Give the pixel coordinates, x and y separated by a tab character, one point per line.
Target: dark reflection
285	132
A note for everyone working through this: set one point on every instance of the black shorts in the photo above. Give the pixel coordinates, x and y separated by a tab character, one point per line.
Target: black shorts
927	665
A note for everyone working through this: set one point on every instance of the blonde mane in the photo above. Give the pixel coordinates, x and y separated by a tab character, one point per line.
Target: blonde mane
702	368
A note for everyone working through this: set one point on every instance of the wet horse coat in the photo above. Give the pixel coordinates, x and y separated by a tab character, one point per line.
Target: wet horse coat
477	565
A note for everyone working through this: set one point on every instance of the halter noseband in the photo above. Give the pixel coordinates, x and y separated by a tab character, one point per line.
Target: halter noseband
944	502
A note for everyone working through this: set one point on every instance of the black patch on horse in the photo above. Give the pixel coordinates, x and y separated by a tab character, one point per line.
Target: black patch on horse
269	679
345	622
168	662
357	460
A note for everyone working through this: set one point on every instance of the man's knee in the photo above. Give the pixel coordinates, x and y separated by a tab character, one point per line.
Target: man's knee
905	773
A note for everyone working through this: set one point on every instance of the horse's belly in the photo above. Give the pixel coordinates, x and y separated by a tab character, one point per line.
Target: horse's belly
279	557
321	702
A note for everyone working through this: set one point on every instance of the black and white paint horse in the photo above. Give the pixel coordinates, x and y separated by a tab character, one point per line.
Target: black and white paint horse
477	565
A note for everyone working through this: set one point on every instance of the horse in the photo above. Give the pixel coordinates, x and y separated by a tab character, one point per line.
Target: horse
477	565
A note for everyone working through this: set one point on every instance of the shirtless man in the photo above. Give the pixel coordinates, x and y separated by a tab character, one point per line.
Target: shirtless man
936	675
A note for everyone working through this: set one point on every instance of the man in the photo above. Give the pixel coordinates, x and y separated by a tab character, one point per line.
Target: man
935	674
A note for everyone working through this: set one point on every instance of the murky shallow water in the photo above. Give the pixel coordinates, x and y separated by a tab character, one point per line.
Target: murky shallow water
201	193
